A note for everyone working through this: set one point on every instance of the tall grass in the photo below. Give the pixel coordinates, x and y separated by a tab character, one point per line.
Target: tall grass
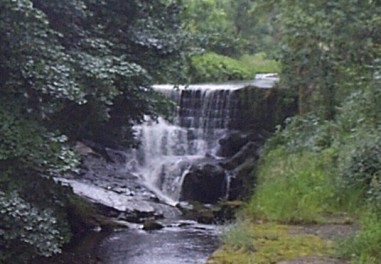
238	236
365	246
292	188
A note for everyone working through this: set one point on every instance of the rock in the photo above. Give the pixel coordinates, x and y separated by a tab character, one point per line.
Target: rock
152	225
250	150
243	182
226	211
82	149
231	144
205	183
128	208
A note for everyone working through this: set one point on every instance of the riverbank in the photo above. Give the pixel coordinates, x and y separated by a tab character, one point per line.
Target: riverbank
272	242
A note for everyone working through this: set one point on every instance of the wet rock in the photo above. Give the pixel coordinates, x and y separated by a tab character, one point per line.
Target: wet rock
226	210
82	149
249	151
243	181
205	183
152	225
231	144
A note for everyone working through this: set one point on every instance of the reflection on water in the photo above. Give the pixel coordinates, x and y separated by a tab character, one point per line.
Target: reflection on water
171	245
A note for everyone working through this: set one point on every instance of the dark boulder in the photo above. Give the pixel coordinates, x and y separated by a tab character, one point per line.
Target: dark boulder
205	183
231	144
250	151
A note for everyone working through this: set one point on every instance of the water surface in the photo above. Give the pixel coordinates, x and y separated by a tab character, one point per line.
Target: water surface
171	245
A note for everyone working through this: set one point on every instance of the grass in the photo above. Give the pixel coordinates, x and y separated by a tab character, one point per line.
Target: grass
299	188
292	188
267	243
260	64
365	246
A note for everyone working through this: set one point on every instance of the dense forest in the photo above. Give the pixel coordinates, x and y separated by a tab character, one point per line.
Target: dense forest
83	70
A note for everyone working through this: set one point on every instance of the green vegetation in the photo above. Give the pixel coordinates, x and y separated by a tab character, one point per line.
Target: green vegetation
292	188
324	163
228	40
74	69
258	63
364	246
71	70
213	67
267	243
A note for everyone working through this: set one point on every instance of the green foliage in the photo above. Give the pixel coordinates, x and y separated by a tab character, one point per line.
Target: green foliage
292	187
228	27
210	27
324	46
26	230
211	67
61	83
70	70
361	167
365	246
307	132
26	145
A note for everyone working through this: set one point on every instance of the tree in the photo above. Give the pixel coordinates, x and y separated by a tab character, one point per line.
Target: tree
71	70
324	47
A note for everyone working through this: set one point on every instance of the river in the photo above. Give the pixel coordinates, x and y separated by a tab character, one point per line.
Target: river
175	244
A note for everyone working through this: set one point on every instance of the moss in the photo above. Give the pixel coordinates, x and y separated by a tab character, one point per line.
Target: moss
84	216
272	243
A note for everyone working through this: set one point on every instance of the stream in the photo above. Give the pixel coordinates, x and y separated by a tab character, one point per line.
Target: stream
191	243
192	158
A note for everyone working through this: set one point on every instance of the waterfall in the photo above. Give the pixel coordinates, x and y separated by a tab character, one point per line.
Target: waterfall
204	115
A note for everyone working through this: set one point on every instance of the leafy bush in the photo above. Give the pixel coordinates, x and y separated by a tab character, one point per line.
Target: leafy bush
26	230
307	132
360	167
292	187
211	67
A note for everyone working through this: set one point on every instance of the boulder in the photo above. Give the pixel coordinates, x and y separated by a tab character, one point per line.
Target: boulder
249	151
205	183
231	144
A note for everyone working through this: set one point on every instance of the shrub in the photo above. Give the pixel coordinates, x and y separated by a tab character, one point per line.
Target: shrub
308	132
26	230
360	167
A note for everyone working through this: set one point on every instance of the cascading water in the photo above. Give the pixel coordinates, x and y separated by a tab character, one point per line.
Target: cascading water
168	149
